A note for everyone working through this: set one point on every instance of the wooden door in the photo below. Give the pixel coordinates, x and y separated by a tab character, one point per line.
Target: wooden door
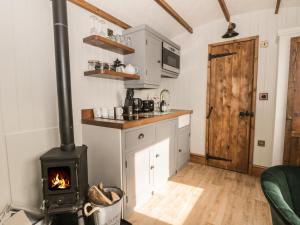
231	104
292	128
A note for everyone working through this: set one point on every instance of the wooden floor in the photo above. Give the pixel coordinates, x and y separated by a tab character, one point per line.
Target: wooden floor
202	195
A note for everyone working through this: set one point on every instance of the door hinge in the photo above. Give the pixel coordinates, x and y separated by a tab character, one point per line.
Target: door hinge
126	164
146	42
208	157
126	199
214	56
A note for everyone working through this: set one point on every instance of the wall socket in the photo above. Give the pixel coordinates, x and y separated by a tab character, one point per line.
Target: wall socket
264	44
261	143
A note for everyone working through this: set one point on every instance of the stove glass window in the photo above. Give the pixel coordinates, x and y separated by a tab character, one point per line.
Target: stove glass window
59	178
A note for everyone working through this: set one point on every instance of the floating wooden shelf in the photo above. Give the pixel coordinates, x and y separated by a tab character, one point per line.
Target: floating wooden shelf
108	44
109	74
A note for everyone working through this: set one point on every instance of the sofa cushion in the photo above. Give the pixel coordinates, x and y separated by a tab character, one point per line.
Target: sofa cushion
293	178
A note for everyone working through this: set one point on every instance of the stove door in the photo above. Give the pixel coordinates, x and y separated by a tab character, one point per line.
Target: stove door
59	177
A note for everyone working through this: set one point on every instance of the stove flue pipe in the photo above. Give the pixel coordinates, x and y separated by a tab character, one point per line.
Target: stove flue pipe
62	60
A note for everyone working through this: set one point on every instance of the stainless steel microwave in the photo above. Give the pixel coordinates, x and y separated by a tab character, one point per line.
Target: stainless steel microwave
170	61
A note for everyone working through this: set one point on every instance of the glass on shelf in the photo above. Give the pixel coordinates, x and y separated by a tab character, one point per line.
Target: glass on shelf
93	25
112	37
118	38
102	28
92	64
128	41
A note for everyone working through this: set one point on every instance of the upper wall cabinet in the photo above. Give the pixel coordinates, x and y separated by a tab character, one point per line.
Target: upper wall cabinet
147	58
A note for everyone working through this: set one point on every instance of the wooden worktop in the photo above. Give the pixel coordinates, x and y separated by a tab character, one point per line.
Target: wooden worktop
87	118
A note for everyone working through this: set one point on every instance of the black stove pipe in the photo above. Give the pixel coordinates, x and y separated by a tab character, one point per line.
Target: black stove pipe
62	60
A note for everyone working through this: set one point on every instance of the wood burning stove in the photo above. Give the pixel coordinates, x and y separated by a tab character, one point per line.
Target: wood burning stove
64	179
64	169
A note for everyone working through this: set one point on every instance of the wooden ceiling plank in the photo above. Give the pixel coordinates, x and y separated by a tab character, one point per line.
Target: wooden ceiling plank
174	14
277	6
225	10
93	9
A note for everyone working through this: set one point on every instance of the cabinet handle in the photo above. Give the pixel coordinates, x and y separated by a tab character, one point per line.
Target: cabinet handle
152	167
141	136
157	155
180	150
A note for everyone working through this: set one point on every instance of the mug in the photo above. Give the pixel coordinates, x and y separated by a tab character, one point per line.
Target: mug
104	112
97	112
118	111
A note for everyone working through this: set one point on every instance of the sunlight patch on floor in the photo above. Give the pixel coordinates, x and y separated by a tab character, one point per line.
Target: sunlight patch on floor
158	207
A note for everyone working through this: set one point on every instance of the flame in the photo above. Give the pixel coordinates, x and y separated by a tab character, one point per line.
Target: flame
60	183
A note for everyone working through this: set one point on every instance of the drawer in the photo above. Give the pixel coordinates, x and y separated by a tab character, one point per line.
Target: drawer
140	137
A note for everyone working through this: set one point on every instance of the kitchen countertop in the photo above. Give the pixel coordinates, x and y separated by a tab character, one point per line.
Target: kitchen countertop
145	118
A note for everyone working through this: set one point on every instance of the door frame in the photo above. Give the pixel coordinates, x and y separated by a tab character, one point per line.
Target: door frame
253	103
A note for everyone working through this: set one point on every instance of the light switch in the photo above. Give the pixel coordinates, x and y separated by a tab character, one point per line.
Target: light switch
261	143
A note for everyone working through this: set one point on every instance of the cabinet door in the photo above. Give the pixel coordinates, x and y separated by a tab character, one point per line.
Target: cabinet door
138	188
153	59
164	154
183	148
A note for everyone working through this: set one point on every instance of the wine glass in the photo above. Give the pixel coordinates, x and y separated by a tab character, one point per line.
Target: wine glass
128	41
93	25
102	24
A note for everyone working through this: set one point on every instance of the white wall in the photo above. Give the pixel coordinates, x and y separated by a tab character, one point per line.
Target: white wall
28	98
193	80
5	196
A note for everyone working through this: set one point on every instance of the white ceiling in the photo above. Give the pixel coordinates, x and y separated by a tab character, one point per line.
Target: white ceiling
195	12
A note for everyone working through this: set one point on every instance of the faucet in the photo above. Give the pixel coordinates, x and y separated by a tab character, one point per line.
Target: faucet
163	106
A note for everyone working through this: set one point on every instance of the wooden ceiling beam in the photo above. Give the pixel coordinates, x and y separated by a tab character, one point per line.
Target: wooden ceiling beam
225	10
277	6
174	14
99	12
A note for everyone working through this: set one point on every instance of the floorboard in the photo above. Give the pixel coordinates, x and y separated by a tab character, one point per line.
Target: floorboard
202	195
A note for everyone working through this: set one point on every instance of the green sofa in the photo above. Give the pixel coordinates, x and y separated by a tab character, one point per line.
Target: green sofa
281	186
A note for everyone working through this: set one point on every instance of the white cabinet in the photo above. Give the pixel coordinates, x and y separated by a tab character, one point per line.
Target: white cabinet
183	146
139	160
138	188
153	59
150	163
147	58
164	153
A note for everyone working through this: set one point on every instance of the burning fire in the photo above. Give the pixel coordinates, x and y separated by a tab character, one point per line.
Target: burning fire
60	183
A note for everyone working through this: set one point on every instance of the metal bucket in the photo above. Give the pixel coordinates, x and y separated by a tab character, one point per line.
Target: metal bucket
106	215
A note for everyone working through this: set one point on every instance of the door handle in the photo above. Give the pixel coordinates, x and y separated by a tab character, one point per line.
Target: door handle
242	114
247	113
250	114
157	155
209	113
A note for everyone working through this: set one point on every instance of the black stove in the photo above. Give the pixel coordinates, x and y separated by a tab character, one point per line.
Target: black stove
64	168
